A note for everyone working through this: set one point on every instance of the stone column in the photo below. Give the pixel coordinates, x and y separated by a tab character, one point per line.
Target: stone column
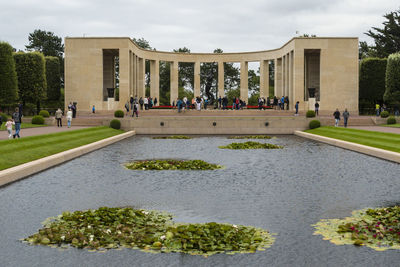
221	79
283	90
264	78
174	81
196	89
291	104
155	80
141	78
287	85
135	76
123	76
298	78
244	81
278	77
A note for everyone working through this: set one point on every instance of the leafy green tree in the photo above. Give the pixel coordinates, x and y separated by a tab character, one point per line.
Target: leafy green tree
31	73
53	78
372	80
392	93
8	76
143	43
45	42
387	39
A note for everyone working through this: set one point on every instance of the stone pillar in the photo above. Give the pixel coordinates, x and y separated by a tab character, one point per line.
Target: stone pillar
291	104
141	78
264	78
298	78
283	90
221	79
135	76
244	81
174	82
196	89
155	80
287	85
123	76
278	77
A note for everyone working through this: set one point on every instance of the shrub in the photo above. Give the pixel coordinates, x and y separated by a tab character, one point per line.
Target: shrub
384	114
4	117
314	124
392	93
391	120
115	124
44	113
310	114
372	79
119	113
37	119
53	78
8	75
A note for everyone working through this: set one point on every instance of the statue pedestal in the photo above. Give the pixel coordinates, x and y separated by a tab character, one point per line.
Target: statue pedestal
110	103
311	103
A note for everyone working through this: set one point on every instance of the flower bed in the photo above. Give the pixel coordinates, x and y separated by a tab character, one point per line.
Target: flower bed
250	145
173	137
250	137
109	228
171	164
375	228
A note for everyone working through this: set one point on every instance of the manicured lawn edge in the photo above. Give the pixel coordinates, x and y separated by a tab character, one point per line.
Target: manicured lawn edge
21	171
368	150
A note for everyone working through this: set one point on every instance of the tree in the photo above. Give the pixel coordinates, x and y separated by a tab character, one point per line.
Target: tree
387	39
185	70
45	42
392	93
31	73
8	76
142	43
53	78
372	80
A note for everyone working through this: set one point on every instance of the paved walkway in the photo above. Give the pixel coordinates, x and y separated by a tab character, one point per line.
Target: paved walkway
41	130
378	129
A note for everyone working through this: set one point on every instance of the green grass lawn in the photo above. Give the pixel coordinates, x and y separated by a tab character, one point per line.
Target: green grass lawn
14	152
23	126
387	141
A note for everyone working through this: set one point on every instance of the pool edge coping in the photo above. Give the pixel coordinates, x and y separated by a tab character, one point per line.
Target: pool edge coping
368	150
22	171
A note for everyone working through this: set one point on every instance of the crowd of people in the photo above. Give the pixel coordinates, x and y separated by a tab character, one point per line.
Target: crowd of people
379	109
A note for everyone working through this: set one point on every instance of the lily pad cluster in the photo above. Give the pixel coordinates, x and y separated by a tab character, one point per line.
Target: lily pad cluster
171	164
173	137
375	228
250	137
108	228
250	145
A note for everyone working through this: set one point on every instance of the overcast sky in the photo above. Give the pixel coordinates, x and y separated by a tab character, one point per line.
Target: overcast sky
201	25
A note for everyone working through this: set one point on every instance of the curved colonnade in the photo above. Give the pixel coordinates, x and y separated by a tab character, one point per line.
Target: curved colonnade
305	70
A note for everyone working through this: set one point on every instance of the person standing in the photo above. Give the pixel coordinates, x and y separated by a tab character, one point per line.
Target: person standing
146	103
9	125
58	117
155	101
131	100
69	118
346	116
316	108
74	110
17	120
336	115
141	103
93	109
378	109
297	108
135	110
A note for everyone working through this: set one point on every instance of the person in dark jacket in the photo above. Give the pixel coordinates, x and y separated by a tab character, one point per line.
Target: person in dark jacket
346	116
336	114
17	119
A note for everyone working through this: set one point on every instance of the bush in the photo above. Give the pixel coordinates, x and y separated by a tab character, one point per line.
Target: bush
372	79
8	75
44	113
310	114
392	93
391	120
384	114
314	124
119	113
37	119
115	124
4	117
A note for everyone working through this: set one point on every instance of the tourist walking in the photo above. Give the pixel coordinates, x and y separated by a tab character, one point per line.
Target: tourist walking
93	109
316	108
73	110
179	104
58	117
346	116
132	101
336	115
296	107
69	118
377	109
287	102
141	103
127	107
146	103
155	101
9	125
17	120
135	110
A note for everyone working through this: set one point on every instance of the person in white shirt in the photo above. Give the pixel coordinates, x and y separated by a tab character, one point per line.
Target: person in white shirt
69	117
9	125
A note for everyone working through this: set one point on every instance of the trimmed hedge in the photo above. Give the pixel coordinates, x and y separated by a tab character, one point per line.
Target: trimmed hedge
384	114
314	124
53	78
37	119
372	79
392	93
8	75
119	113
391	120
115	124
310	114
44	113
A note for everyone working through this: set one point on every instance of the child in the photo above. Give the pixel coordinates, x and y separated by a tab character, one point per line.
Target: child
9	125
93	109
